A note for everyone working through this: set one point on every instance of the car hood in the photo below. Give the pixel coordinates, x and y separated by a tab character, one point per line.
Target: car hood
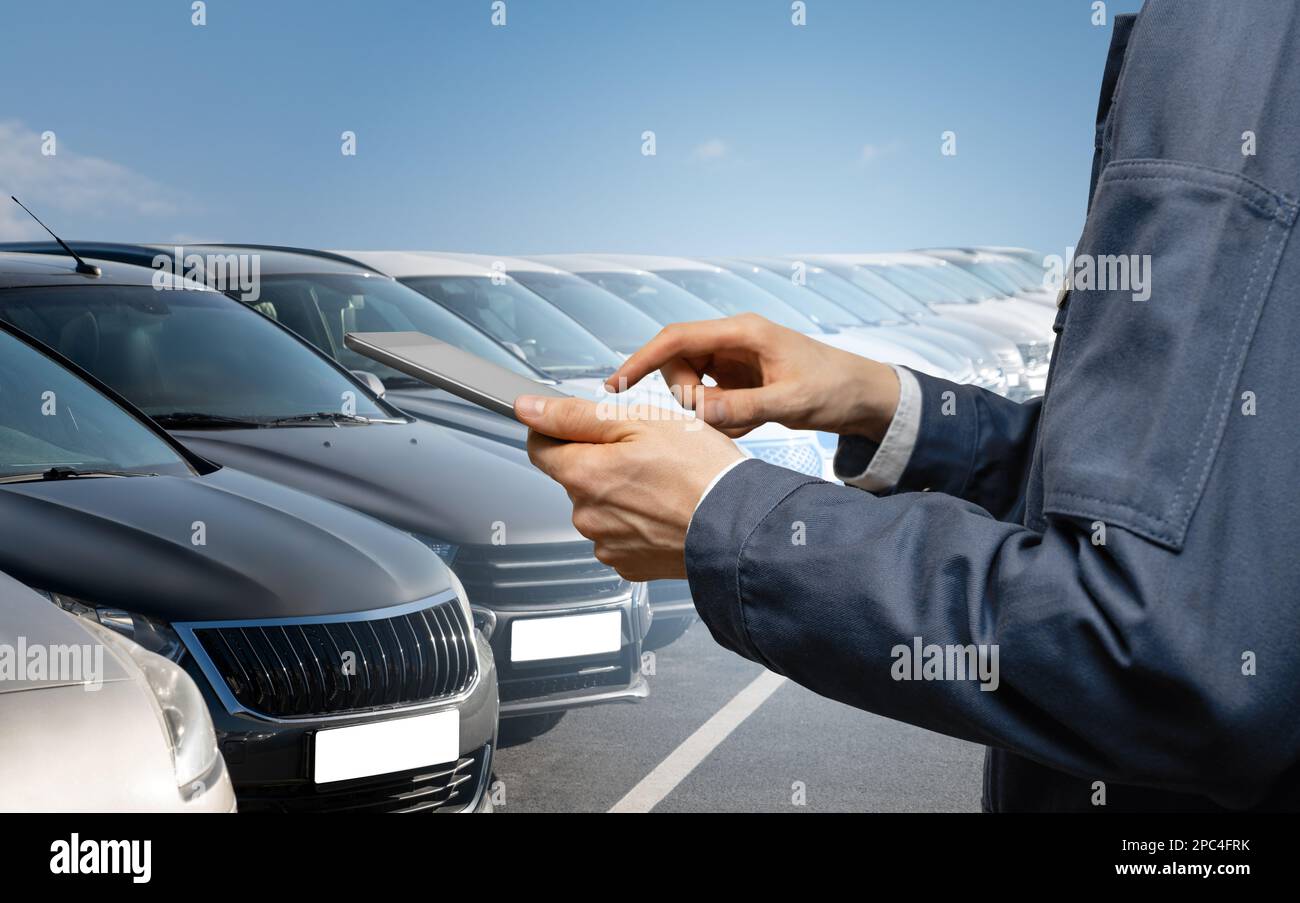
268	551
418	477
943	363
437	406
28	619
995	344
864	342
1003	322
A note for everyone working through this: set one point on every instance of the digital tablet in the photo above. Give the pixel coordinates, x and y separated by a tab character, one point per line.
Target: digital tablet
446	367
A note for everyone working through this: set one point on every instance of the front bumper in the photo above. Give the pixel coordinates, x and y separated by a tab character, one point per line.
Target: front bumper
559	684
271	760
671	600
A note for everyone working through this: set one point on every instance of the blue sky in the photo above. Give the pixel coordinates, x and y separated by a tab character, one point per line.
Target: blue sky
526	138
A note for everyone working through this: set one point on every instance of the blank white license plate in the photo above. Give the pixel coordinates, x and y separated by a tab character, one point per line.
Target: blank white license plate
363	750
542	638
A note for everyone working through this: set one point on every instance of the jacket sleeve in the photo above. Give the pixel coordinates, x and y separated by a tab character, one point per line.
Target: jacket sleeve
972	444
1096	673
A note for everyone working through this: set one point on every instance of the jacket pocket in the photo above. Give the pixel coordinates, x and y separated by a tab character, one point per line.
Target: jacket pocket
1142	389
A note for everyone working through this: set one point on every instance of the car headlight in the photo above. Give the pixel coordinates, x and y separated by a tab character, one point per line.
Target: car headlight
151	633
443	549
181	711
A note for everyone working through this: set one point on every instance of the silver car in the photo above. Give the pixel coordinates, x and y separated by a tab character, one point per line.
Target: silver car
93	722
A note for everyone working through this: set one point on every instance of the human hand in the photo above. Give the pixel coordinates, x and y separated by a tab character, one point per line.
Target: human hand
766	373
634	477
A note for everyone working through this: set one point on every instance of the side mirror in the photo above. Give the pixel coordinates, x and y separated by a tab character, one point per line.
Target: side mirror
373	383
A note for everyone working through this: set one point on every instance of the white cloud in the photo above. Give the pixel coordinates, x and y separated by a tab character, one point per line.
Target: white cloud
71	183
713	149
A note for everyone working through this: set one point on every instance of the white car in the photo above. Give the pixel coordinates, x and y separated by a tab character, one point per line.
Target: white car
93	722
482	290
732	294
952	292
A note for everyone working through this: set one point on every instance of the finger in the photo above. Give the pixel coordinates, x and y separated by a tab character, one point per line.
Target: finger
571	419
739	408
683	340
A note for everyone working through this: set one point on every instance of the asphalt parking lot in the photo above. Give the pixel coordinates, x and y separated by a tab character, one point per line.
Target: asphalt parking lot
793	751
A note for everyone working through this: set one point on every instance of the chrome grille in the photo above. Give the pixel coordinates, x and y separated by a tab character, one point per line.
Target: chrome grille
803	457
441	788
302	668
536	574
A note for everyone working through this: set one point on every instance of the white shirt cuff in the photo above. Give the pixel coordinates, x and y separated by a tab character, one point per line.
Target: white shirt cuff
714	482
890	461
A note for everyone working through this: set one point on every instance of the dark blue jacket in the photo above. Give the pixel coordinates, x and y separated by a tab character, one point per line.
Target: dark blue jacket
1163	661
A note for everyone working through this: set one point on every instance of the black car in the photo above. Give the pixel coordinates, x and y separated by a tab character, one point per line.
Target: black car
241	390
293	614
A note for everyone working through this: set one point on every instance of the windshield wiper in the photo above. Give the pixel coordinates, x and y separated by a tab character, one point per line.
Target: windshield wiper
333	417
180	420
70	473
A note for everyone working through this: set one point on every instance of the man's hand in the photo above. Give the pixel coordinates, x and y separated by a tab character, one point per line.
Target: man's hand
635	477
766	373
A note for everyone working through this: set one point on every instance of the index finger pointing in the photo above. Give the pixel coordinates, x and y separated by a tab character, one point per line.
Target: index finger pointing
674	342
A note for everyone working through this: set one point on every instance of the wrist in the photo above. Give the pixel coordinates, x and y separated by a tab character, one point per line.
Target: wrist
873	400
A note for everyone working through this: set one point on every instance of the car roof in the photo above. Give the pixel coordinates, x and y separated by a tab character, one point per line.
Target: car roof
890	257
403	264
272	259
22	269
652	262
815	261
588	263
511	264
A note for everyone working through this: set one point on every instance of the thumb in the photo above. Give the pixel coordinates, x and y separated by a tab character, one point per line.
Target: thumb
571	419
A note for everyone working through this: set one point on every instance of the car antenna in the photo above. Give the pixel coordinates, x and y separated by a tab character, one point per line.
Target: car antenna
87	269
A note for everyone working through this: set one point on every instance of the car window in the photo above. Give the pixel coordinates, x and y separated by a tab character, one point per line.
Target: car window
50	418
866	305
322	308
733	295
967	286
657	298
886	291
183	351
818	308
916	282
993	274
510	313
607	316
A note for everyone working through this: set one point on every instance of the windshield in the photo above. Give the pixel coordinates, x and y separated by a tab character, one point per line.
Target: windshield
733	295
916	282
819	309
514	316
608	317
1016	273
993	274
657	298
866	305
323	307
967	286
50	418
887	292
185	352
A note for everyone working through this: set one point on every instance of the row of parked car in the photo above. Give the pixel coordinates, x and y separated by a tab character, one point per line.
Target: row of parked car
312	583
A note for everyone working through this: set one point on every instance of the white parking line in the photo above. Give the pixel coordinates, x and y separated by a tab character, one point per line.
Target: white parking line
665	777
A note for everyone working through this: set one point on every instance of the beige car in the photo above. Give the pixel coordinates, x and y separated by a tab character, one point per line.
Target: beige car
95	723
